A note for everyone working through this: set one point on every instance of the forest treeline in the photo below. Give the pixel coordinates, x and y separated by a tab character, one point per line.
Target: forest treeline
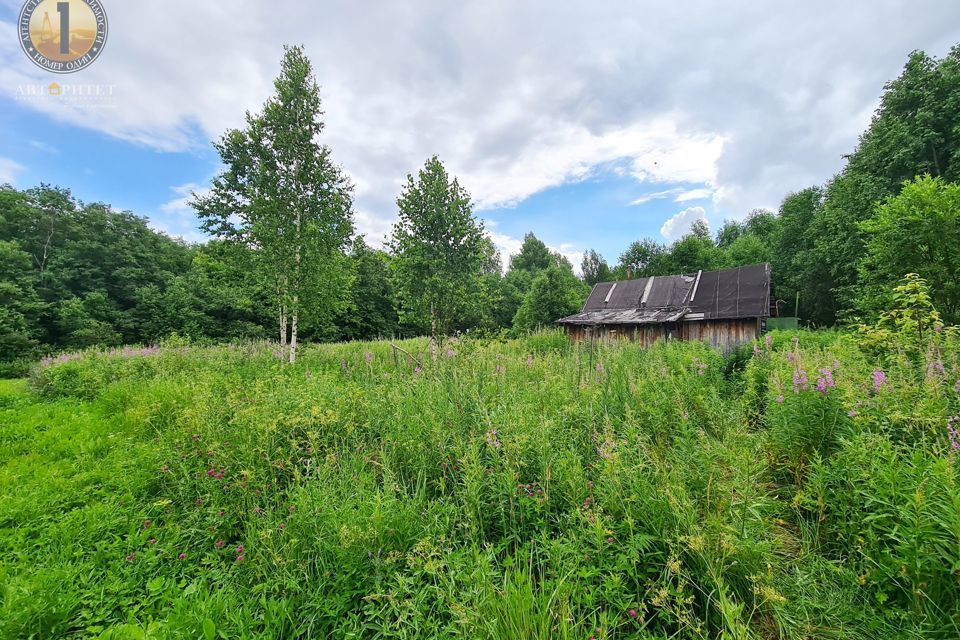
76	274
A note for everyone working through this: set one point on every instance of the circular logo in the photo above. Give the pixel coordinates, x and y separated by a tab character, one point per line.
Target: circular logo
62	36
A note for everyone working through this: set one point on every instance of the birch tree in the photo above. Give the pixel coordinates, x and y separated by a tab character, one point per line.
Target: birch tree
281	195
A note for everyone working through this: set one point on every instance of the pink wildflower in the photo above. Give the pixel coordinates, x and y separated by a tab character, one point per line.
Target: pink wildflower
182	556
879	379
219	544
632	613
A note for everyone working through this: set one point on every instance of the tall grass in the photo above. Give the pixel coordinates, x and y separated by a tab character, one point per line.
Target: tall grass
521	489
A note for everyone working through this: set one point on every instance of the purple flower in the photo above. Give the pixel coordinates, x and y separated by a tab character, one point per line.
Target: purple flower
825	380
182	556
935	368
491	438
790	356
219	544
953	432
799	379
451	353
756	349
779	399
530	364
599	367
879	379
768	340
632	613
417	370
368	357
851	414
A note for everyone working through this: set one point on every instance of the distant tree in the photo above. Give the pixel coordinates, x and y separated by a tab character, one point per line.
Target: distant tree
534	256
282	194
438	248
595	269
918	232
729	232
554	293
372	311
747	249
640	256
19	304
693	252
791	246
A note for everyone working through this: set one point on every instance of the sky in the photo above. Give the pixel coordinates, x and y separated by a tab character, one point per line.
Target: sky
589	124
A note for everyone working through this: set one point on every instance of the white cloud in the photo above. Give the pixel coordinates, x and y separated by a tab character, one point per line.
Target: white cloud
8	171
184	192
745	99
678	226
694	194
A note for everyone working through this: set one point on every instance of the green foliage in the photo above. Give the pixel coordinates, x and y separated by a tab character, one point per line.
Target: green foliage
554	293
282	195
526	488
595	269
438	248
917	232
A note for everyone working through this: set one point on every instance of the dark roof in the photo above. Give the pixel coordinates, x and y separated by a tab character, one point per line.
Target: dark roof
741	292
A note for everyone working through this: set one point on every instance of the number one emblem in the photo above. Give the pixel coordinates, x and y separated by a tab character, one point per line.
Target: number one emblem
63	8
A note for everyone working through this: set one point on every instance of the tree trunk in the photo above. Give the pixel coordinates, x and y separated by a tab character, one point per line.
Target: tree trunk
293	332
281	294
295	299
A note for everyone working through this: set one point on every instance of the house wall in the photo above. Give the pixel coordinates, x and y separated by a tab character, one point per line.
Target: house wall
726	335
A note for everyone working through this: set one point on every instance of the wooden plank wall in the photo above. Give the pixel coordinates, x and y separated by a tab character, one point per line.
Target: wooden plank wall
727	335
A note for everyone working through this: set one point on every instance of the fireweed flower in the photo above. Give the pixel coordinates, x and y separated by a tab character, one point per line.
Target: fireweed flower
779	399
368	357
790	356
491	438
756	348
768	341
825	380
799	380
451	353
530	364
417	370
935	368
600	367
879	379
851	414
954	433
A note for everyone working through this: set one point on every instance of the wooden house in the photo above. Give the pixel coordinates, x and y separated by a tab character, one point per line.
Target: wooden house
724	308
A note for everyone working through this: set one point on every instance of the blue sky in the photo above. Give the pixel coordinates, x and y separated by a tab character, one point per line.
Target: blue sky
591	126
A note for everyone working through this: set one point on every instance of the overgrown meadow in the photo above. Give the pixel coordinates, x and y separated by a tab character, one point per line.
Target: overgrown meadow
805	487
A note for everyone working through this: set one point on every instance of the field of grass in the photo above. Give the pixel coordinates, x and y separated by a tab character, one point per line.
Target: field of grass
804	488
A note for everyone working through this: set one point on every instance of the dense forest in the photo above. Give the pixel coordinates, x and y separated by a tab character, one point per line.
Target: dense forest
76	274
